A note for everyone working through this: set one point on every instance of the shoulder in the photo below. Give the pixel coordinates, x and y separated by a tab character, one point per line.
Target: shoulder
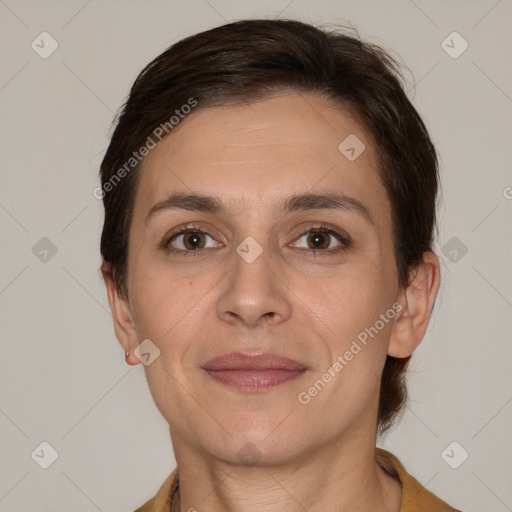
415	497
162	500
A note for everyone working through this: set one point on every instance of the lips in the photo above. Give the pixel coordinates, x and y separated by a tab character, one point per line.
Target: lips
239	361
250	373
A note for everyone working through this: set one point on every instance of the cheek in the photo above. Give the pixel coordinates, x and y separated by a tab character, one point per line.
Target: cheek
167	303
356	340
346	314
348	300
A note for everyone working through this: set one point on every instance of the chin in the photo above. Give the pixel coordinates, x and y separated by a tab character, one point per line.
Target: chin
254	447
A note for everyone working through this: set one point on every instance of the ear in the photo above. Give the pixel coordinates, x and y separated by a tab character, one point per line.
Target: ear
417	301
124	326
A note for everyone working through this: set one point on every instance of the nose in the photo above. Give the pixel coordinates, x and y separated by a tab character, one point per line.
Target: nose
254	292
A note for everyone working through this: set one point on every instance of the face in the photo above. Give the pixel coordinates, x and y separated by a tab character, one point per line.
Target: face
264	273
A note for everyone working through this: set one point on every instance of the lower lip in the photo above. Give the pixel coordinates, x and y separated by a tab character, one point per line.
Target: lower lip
254	380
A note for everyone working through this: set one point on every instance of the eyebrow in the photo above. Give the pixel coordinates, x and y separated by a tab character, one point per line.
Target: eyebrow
295	203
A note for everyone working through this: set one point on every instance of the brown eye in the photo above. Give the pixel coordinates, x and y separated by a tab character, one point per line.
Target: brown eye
190	241
323	240
193	240
318	240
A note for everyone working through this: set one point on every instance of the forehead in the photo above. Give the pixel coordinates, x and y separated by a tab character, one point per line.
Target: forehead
263	151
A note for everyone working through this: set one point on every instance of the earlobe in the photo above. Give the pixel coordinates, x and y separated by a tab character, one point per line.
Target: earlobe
124	325
417	301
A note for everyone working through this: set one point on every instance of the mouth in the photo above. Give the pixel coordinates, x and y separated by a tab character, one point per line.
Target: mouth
252	373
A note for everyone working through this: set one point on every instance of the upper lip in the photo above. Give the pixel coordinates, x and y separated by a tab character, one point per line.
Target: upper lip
240	361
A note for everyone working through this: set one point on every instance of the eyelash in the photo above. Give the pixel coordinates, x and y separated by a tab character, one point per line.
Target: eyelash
345	241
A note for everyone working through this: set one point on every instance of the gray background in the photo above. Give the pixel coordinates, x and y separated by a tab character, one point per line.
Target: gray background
63	379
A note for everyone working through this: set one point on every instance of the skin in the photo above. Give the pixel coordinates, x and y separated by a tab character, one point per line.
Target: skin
317	456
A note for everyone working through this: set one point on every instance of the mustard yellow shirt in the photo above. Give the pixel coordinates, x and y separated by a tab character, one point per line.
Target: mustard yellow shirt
415	498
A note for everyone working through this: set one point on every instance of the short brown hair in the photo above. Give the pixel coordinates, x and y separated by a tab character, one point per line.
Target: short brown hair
248	60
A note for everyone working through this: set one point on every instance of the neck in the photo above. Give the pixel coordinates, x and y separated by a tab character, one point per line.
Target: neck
342	476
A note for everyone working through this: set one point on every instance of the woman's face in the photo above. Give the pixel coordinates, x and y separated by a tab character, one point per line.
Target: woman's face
258	286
